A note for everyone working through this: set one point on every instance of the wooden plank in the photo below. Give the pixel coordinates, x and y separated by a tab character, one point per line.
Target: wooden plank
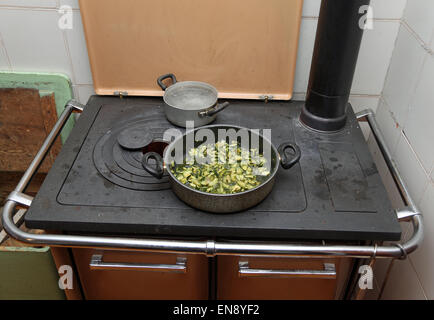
22	128
44	83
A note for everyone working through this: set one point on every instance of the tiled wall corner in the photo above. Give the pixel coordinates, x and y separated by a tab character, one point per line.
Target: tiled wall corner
403	284
418	15
418	127
405	66
388	124
405	114
408	163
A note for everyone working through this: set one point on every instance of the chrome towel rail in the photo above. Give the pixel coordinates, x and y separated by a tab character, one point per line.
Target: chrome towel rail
211	247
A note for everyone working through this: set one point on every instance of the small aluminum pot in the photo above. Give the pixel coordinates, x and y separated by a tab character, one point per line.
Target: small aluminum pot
222	203
190	101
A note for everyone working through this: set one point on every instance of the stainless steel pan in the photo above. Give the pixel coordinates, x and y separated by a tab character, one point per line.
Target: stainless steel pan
222	203
190	101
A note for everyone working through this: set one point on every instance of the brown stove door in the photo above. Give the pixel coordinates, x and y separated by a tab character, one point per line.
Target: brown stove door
133	275
246	278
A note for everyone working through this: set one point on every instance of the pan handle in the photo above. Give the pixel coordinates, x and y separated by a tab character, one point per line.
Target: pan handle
164	77
213	110
156	170
286	161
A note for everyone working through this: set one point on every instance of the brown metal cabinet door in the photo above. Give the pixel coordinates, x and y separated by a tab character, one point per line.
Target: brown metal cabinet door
276	278
133	275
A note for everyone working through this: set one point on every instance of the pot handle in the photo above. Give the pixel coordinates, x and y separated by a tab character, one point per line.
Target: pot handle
156	170
213	110
286	161
164	77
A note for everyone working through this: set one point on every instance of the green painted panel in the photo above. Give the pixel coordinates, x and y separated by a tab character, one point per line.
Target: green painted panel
28	273
46	83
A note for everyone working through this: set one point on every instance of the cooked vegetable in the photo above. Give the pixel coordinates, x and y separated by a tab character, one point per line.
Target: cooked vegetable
222	168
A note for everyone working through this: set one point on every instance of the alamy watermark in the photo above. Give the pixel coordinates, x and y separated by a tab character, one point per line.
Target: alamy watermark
66	19
66	279
366	279
366	21
207	145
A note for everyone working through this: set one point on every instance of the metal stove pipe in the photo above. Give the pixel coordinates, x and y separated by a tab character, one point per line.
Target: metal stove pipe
336	50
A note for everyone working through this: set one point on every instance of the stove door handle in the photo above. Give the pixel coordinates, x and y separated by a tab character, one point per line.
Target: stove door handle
97	263
329	272
157	169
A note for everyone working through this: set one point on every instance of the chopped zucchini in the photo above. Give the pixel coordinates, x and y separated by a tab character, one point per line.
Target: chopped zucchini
229	168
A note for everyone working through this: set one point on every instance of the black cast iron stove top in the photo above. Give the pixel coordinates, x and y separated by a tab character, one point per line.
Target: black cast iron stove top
97	183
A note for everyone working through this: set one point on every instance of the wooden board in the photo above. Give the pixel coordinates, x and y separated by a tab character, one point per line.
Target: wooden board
26	118
25	121
246	49
48	84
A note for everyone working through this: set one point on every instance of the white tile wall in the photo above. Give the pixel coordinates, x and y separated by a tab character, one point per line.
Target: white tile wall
33	40
403	283
413	173
72	3
421	115
423	259
311	8
405	67
83	92
389	126
374	57
407	112
4	60
418	15
78	51
304	55
30	3
388	9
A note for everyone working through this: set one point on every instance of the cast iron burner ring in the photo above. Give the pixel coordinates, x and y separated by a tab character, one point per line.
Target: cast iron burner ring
119	160
134	138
